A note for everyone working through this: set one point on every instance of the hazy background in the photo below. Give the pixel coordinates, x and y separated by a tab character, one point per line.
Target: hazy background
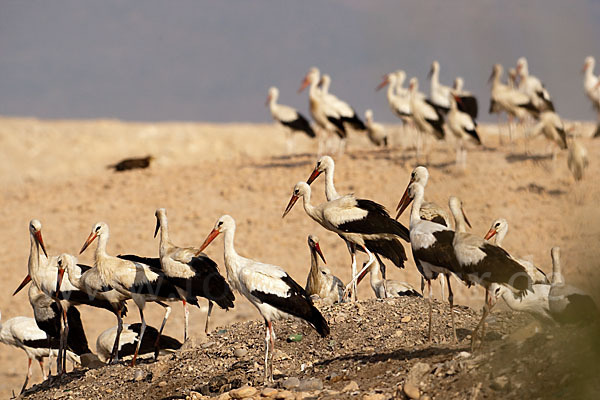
214	60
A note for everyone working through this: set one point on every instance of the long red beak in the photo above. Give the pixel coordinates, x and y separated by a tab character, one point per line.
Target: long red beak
23	284
157	227
585	67
211	236
304	84
318	250
38	237
383	83
313	176
362	275
89	240
59	278
293	201
404	202
268	100
490	234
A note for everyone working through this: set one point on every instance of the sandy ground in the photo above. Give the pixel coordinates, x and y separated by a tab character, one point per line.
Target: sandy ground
56	171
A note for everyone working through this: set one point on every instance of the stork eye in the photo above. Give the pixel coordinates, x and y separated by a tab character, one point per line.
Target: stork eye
220	223
296	191
497	225
97	228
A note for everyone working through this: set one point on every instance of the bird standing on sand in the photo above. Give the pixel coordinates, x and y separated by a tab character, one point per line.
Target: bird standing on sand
320	280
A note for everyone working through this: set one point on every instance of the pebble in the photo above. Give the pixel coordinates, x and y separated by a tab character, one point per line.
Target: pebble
268	392
352	386
224	396
405	319
499	383
417	371
243	392
290	383
411	391
333	378
162	384
240	352
310	384
138	375
285	395
374	396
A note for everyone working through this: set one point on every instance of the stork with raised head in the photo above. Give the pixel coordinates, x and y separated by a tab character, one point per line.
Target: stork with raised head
131	278
468	103
464	127
361	223
89	280
568	304
375	131
23	333
344	109
320	280
129	338
192	272
379	243
326	116
533	87
429	211
268	287
498	231
385	288
431	245
288	117
591	86
397	96
577	159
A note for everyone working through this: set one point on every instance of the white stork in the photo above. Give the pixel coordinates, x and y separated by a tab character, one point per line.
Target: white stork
375	238
533	87
23	333
591	86
288	117
375	131
498	231
268	287
361	223
551	126
192	272
128	339
385	288
439	94
578	159
568	304
320	280
131	278
468	101
428	117
344	109
463	126
398	97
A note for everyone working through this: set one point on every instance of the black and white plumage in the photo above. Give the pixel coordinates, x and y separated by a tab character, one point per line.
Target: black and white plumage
569	304
385	288
140	281
23	333
533	87
468	102
288	117
428	116
128	341
368	220
192	272
463	127
268	287
552	127
320	281
512	101
347	113
398	97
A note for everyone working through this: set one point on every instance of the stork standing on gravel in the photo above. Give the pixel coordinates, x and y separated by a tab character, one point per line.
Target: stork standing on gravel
268	287
398	97
344	109
192	272
321	281
533	87
23	333
551	126
361	223
390	247
568	304
428	117
464	127
288	117
135	279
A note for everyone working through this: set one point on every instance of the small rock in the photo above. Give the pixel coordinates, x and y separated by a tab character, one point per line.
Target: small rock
301	396
500	383
268	392
374	396
162	384
138	375
195	395
310	384
224	396
240	352
464	354
333	378
91	361
290	383
109	390
243	392
425	397
411	391
352	386
284	395
406	319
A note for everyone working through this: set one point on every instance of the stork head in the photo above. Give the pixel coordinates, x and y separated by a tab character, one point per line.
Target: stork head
311	76
35	229
399	76
161	218
301	189
589	63
456	207
412	191
458	83
100	228
273	95
522	68
224	223
496	72
499	227
369	115
325	81
325	163
419	174
435	67
65	262
313	244
413	84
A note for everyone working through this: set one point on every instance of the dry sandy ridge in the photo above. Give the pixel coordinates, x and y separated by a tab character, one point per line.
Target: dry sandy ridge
56	171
